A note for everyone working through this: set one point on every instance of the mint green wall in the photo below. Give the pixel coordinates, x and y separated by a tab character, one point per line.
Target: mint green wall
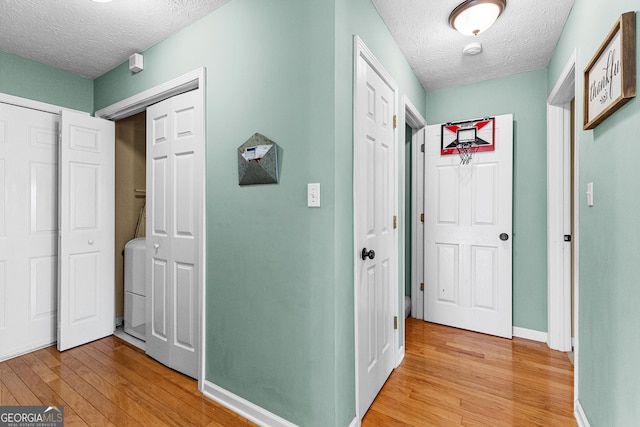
32	80
609	288
523	95
279	306
270	291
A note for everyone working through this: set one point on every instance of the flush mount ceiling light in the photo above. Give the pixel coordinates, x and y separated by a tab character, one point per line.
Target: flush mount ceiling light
475	16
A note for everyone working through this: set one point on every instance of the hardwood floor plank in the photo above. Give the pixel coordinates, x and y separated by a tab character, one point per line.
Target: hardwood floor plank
6	397
453	377
152	390
126	404
43	392
20	391
448	377
98	400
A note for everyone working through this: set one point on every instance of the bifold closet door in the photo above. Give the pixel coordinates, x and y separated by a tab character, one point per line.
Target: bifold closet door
28	229
175	152
86	299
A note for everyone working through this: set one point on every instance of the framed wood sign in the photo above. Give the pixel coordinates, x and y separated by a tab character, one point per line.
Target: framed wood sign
610	76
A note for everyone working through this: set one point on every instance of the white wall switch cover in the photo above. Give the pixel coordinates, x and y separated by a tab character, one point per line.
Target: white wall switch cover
590	194
313	195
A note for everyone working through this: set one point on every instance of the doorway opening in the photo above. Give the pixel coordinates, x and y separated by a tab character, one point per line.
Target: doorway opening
562	214
130	208
414	206
193	81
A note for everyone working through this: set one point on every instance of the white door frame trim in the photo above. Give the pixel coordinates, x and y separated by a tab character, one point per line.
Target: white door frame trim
35	105
362	51
558	209
417	123
137	103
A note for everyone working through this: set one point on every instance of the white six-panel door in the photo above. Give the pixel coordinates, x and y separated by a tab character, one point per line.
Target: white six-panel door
86	211
467	207
374	186
28	229
175	153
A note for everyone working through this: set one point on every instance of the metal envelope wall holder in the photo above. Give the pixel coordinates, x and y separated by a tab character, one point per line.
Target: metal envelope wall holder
258	161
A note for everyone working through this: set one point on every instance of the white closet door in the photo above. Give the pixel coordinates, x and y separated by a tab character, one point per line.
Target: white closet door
175	153
28	229
87	188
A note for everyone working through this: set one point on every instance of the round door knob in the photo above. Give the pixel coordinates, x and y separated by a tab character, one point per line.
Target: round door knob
367	254
156	246
90	242
504	236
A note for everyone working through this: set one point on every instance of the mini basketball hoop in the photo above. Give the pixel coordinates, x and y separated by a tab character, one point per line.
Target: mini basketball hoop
466	144
468	137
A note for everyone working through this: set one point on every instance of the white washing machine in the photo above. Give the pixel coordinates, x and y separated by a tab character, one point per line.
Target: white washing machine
135	288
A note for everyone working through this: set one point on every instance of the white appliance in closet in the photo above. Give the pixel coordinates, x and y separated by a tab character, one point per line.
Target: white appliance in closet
135	288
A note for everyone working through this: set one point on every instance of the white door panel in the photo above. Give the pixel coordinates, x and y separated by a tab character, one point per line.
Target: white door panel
86	247
467	207
28	229
376	275
175	149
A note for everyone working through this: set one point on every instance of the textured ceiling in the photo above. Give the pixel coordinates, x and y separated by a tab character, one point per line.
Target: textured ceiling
522	39
89	38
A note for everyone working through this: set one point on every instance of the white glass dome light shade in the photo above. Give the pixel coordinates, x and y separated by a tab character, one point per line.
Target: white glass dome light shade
475	16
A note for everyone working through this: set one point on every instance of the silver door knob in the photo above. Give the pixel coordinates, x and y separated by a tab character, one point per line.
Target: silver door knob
156	246
90	242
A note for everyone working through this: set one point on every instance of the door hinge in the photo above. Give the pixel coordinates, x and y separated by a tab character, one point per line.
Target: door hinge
422	148
395	121
421	217
395	221
395	322
422	286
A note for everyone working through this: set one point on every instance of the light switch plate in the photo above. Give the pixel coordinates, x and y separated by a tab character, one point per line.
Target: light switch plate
313	195
590	194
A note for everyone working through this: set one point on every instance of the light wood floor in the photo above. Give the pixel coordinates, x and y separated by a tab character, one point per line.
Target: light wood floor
448	377
451	377
109	383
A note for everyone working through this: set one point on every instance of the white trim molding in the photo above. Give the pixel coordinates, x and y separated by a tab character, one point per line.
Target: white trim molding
559	208
417	123
140	102
530	334
35	105
581	417
243	407
400	356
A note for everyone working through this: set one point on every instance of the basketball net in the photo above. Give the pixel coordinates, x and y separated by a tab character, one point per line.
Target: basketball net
466	150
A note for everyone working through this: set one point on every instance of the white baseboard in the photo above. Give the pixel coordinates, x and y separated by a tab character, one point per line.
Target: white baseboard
243	407
530	334
25	350
581	418
400	356
355	422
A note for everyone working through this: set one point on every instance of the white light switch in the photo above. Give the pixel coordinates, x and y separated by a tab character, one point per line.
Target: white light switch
590	194
313	195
